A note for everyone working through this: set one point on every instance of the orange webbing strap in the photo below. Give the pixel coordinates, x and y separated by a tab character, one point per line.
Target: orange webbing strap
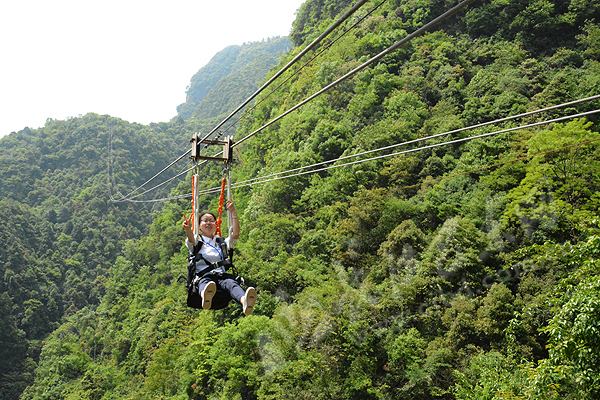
221	203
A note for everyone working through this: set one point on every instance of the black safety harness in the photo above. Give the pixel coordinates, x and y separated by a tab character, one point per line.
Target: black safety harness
199	267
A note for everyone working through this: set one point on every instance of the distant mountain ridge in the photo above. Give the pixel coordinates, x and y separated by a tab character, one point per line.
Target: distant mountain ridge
229	77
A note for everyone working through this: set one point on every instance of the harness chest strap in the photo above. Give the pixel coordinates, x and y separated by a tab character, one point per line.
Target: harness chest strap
199	260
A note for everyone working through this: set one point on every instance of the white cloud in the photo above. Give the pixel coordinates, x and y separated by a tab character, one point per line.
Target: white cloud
131	59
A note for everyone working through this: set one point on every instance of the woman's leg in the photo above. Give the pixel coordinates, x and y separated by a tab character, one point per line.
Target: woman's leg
247	299
235	291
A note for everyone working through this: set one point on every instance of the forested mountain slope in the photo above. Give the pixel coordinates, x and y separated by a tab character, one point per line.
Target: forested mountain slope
60	231
465	271
230	77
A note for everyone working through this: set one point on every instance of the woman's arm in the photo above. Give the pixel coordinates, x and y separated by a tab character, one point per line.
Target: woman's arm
187	227
235	222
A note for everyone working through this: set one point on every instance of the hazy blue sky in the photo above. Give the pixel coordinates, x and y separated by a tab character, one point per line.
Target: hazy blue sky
131	59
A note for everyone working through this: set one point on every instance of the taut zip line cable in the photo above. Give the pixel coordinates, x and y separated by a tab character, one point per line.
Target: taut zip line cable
496	121
504	119
124	198
373	59
302	67
313	44
154	187
455	141
359	68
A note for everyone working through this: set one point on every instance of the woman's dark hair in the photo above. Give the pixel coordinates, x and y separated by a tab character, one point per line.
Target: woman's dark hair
203	213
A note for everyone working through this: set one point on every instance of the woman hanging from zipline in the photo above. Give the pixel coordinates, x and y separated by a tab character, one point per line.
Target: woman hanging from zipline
209	259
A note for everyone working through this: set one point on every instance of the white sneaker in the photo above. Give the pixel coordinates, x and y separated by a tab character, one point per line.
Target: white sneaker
248	301
207	294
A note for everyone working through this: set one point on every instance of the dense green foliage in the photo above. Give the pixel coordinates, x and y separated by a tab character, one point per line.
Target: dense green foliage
59	230
463	272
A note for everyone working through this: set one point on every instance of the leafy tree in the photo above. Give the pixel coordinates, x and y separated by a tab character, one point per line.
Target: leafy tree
570	370
457	254
492	376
